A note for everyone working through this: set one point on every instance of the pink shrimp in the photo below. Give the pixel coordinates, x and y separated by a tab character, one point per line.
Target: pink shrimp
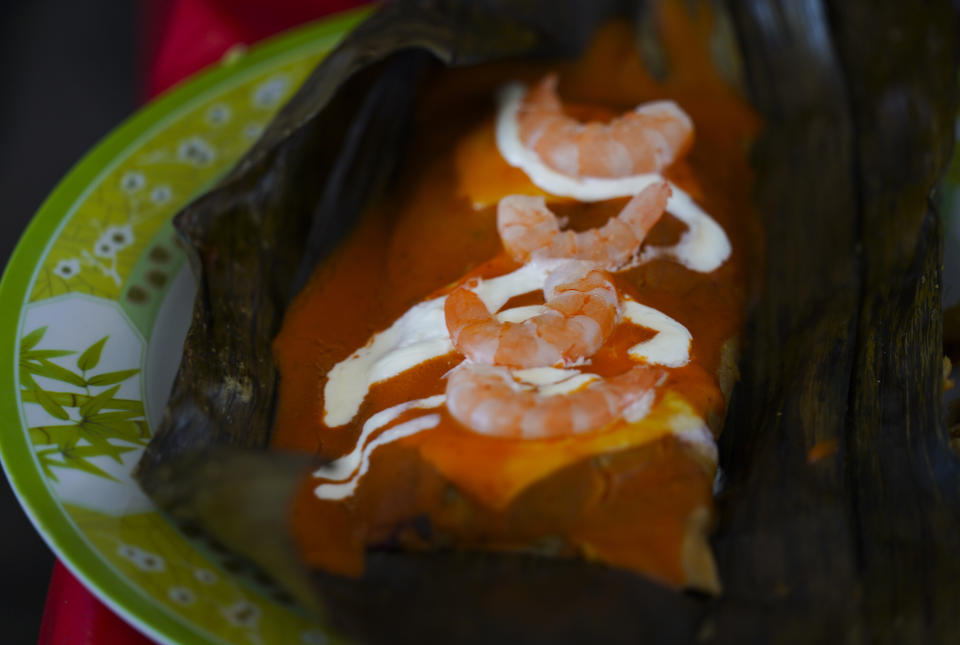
529	229
581	311
645	140
487	400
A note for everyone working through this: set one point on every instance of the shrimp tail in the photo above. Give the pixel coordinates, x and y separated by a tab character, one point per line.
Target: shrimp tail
643	211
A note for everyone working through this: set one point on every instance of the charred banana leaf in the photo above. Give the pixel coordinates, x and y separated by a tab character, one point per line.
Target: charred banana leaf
841	518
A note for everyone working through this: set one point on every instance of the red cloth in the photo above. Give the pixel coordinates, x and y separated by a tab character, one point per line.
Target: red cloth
72	616
184	36
179	37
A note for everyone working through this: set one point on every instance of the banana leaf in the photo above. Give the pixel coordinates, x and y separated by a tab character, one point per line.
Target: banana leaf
840	517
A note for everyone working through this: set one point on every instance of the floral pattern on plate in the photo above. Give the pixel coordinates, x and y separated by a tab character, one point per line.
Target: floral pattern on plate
96	296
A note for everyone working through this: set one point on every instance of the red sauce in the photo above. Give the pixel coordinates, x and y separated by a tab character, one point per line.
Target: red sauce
628	496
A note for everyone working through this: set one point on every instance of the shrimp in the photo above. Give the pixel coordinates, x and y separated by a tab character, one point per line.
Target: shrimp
487	400
581	310
645	140
529	229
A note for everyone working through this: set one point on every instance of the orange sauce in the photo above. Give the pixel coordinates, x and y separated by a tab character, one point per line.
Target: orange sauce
624	495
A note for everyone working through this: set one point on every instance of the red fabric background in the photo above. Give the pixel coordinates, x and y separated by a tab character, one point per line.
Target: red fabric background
178	38
181	37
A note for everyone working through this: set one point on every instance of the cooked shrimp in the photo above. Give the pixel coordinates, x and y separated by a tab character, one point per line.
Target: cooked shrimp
581	311
529	229
645	140
489	401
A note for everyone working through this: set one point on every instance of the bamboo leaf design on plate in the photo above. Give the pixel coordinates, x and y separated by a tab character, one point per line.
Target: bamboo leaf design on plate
26	381
34	354
36	362
131	431
30	340
119	415
44	457
109	378
51	406
79	463
63	436
73	400
102	426
90	358
98	439
77	458
57	373
89	451
95	404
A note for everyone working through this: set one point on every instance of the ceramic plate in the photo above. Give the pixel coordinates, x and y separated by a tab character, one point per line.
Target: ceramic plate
96	301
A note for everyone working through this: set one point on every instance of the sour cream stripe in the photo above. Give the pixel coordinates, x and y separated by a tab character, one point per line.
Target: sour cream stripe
352	466
670	347
345	489
417	336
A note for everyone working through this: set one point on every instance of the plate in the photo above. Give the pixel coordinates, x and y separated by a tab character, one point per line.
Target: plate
96	302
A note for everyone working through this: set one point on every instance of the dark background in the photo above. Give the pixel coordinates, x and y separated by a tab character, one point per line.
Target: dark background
68	75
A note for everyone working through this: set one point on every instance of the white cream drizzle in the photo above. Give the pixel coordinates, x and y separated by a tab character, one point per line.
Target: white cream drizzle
418	335
670	347
495	292
554	380
352	466
519	314
703	247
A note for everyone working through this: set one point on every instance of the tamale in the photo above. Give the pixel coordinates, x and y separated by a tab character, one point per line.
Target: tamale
840	517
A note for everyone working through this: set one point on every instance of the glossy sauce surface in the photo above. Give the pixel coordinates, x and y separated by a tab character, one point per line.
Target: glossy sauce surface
630	495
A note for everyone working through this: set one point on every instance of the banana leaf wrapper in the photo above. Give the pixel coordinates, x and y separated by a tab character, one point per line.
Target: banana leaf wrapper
840	517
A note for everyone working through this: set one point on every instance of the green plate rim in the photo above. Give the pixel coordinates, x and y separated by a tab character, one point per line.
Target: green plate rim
42	508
